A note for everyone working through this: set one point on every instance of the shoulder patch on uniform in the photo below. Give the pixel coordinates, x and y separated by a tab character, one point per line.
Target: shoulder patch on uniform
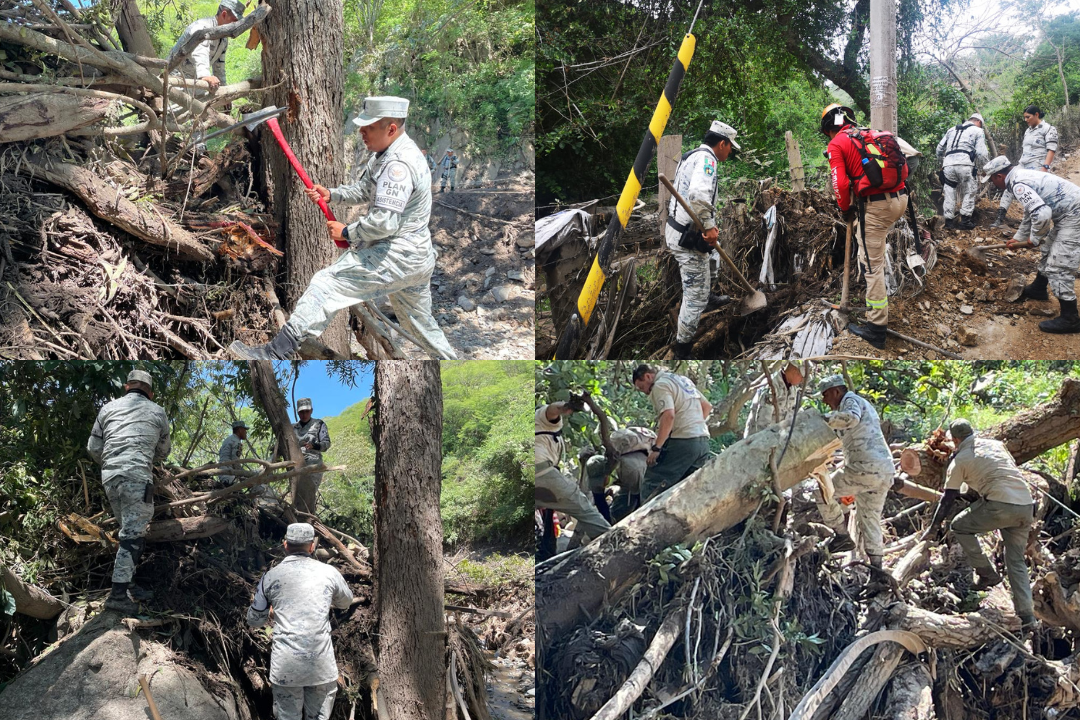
394	187
397	171
710	166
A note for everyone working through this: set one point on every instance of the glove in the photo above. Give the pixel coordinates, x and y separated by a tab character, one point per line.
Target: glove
576	402
851	214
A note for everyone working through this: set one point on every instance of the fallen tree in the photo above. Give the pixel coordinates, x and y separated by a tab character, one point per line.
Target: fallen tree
29	599
721	494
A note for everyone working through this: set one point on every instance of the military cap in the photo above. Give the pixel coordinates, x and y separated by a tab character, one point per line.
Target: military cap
995	166
300	533
596	466
960	429
976	116
303	404
140	376
376	108
234	6
727	131
239	424
830	382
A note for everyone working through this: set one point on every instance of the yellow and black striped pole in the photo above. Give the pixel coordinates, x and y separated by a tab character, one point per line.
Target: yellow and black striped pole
574	330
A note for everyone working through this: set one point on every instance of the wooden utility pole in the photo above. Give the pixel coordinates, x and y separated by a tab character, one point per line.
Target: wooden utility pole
667	161
883	65
794	160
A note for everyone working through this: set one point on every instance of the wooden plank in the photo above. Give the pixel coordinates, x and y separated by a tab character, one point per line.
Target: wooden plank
794	158
667	159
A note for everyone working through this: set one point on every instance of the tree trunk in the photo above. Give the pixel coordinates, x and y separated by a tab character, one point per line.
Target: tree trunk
29	599
872	680
716	497
41	115
1027	434
131	27
186	528
408	561
302	44
910	695
268	394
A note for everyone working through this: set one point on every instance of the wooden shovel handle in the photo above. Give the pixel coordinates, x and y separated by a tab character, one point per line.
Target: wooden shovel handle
697	222
999	246
847	268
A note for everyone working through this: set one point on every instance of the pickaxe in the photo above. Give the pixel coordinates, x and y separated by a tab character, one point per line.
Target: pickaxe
269	115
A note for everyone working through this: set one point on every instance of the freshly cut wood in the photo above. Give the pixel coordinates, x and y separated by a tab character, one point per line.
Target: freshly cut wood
186	528
109	204
39	115
29	599
910	696
716	497
1027	435
920	492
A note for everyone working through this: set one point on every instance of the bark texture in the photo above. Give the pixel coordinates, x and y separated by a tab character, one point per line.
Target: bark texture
717	497
41	115
302	52
910	695
29	599
1027	434
131	27
409	597
185	528
108	204
872	680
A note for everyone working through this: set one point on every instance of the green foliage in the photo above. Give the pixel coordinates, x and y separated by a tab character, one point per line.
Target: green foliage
495	568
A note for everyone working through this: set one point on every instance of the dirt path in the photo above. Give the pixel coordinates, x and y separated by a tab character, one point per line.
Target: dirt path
994	329
484	281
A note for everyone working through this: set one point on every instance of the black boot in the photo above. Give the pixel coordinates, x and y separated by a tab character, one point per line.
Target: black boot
966	223
717	301
139	594
1064	324
282	347
1000	222
119	601
1036	289
871	333
950	223
682	350
841	542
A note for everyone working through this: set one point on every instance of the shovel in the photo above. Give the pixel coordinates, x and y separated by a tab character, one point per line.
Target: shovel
978	253
752	302
844	308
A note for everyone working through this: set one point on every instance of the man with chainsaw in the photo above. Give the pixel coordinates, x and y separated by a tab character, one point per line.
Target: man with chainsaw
695	179
1040	146
682	437
1004	503
553	489
868	174
960	152
782	386
130	434
207	61
1047	199
390	249
867	473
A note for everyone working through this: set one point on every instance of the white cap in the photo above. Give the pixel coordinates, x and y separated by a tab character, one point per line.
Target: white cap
300	533
376	108
140	376
995	166
303	404
727	131
976	116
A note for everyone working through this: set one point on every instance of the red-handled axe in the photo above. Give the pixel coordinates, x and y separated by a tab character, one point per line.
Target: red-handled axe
269	115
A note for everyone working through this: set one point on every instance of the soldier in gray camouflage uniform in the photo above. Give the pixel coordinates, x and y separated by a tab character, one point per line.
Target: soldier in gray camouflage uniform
1040	146
867	473
300	592
232	449
313	437
449	170
695	181
958	152
130	434
390	253
1046	198
762	413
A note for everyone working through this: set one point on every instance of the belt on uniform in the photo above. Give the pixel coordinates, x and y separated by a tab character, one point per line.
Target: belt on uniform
883	196
542	466
677	226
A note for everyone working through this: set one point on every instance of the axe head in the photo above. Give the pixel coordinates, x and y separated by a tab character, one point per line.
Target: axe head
253	120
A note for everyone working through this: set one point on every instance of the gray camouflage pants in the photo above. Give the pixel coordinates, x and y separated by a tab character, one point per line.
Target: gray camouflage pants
134	514
965	185
1061	257
450	175
869	492
694	268
314	702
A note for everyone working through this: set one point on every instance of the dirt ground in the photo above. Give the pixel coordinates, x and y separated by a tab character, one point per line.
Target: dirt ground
1002	330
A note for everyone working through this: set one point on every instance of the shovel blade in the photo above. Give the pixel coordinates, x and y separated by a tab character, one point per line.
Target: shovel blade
752	303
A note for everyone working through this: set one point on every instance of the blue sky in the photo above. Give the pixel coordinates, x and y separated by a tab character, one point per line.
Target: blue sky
329	395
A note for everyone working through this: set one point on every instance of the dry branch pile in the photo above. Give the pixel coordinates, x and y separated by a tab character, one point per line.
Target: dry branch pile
722	619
